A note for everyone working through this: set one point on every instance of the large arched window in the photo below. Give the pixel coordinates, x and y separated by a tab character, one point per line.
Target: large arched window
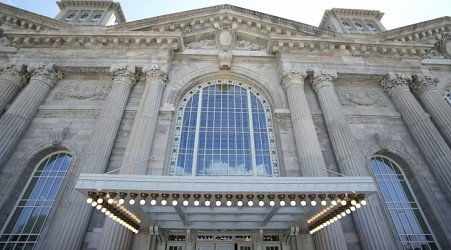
224	127
412	227
26	221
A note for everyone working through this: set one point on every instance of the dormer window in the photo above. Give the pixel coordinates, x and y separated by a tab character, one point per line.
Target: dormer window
359	26
371	26
83	17
96	17
347	25
69	17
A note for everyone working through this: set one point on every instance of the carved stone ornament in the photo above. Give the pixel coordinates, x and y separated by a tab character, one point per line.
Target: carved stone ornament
89	92
393	81
383	140
58	134
293	77
323	77
202	44
423	83
16	74
124	71
355	98
156	73
225	37
45	73
225	60
246	45
444	45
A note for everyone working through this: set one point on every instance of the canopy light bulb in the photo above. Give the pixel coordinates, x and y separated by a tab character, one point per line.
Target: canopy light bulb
98	207
89	200
229	203
250	203
333	202
94	204
142	202
207	203
240	203
353	202
174	203
343	203
363	202
110	201
185	203
131	202
121	201
164	202
196	203
261	203
272	203
218	203
357	205
303	203
293	203
99	200
103	210
323	203
153	202
282	203
313	203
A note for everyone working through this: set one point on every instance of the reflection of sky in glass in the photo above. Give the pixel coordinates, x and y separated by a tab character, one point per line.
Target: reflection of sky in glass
34	206
405	213
223	131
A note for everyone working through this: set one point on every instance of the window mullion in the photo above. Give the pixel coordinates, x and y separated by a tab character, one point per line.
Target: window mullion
196	134
251	132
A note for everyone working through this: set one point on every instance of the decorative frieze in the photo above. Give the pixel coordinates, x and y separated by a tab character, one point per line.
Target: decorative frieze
202	44
358	98
80	92
246	45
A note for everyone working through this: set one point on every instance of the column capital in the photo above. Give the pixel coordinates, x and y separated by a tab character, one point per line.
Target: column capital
16	74
323	77
156	73
422	83
395	81
292	77
47	74
126	73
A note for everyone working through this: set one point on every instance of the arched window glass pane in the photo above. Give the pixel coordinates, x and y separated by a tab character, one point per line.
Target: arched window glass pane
223	128
407	216
24	226
448	96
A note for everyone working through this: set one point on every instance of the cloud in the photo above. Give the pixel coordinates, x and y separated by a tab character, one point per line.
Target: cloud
220	168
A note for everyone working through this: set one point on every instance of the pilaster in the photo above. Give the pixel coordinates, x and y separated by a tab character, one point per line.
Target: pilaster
371	222
12	79
425	87
138	149
423	131
15	121
72	221
308	148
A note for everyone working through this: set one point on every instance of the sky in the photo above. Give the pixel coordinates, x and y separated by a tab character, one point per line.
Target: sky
398	13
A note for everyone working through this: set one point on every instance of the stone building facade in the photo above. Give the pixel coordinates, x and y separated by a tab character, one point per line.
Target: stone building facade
229	128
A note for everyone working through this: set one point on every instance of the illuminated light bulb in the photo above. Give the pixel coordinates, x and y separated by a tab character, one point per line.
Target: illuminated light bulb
103	210
303	203
175	203
142	202
121	201
89	200
339	216
357	205
218	203
196	203
333	202
107	213
313	203
164	202
99	200
207	203
185	203
110	201
111	215
353	202
311	232
98	207
343	214
250	203
335	218
131	201
272	203
352	208
261	203
327	223
348	211
331	221
114	217
94	204
240	203
293	203
153	202
229	203
282	203
363	202
323	203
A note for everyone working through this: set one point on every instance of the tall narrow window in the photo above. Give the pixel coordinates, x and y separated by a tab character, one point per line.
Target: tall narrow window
24	225
448	96
405	212
224	127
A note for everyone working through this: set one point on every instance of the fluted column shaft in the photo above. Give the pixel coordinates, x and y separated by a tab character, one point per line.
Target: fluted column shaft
423	131
371	223
425	86
15	121
138	149
71	223
309	150
12	79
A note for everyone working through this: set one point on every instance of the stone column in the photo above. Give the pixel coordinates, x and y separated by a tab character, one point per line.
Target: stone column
138	149
15	121
309	149
12	79
423	131
71	223
372	224
425	87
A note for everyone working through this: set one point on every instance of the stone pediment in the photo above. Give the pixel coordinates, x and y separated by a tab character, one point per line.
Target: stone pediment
424	32
12	18
208	19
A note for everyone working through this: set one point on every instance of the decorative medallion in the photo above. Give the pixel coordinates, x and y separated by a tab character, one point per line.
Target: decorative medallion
444	45
225	37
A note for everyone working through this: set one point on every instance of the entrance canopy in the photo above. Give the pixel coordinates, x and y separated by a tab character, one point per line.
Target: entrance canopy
232	203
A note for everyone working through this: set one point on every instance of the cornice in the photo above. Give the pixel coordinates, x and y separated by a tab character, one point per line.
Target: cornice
418	32
152	40
343	46
189	21
21	19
